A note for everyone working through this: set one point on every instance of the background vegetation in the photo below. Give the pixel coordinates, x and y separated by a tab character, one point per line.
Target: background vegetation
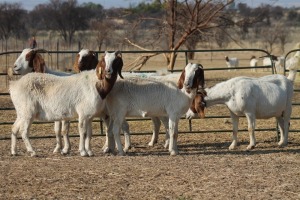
158	25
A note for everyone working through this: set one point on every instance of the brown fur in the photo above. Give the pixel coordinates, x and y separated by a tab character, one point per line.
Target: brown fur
36	61
90	60
105	85
198	79
198	104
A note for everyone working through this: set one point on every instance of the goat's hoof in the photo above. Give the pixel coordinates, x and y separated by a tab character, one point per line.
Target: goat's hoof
232	147
249	147
13	154
56	150
174	153
107	150
33	154
65	152
150	144
121	153
104	147
83	153
282	144
90	153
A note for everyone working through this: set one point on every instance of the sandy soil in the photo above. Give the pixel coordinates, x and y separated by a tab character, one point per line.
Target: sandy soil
204	169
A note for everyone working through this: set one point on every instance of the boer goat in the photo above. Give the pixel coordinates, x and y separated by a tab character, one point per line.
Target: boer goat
152	98
49	97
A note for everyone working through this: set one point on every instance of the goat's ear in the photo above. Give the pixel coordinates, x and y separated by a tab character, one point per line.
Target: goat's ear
29	56
181	80
200	76
120	65
118	54
38	63
99	70
75	66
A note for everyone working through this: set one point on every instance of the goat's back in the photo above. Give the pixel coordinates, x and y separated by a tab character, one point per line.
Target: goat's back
267	96
145	97
49	97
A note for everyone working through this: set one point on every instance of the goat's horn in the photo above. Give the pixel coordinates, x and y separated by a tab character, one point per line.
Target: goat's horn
40	50
118	53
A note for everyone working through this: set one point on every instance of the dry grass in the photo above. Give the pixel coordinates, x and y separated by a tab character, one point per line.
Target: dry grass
205	168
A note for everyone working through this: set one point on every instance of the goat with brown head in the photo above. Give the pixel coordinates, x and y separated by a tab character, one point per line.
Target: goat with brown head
195	81
108	69
85	60
30	60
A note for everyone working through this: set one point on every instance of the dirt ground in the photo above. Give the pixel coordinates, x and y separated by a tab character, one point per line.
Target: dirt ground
204	168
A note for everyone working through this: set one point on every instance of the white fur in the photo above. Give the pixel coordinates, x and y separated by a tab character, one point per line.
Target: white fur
21	66
146	97
231	62
256	98
253	63
49	97
278	62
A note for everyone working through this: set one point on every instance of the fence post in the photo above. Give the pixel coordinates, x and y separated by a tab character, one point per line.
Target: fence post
57	49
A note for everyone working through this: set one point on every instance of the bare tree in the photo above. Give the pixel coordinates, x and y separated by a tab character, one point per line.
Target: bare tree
66	17
185	18
103	30
12	18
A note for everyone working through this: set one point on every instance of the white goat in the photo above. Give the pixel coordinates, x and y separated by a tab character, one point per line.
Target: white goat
256	98
30	60
278	62
49	97
147	97
88	59
253	63
231	62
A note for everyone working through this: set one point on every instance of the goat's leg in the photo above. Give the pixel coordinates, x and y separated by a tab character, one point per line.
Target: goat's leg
65	133
235	126
109	145
15	130
57	130
155	126
125	129
173	131
82	127
105	146
251	129
88	138
25	132
116	132
283	132
165	121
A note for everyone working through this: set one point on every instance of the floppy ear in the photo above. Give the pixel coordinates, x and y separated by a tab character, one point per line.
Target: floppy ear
118	54
119	62
100	68
181	80
200	77
38	63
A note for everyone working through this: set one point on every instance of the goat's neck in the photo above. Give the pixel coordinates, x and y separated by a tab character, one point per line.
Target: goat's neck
218	94
105	86
292	75
190	95
57	73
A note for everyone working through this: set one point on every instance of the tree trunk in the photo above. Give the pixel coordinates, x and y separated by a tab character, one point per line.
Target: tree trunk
172	59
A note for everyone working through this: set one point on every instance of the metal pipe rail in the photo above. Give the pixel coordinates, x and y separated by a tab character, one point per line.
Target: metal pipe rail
142	119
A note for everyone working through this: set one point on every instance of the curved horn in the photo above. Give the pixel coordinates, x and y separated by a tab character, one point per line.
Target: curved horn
40	50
